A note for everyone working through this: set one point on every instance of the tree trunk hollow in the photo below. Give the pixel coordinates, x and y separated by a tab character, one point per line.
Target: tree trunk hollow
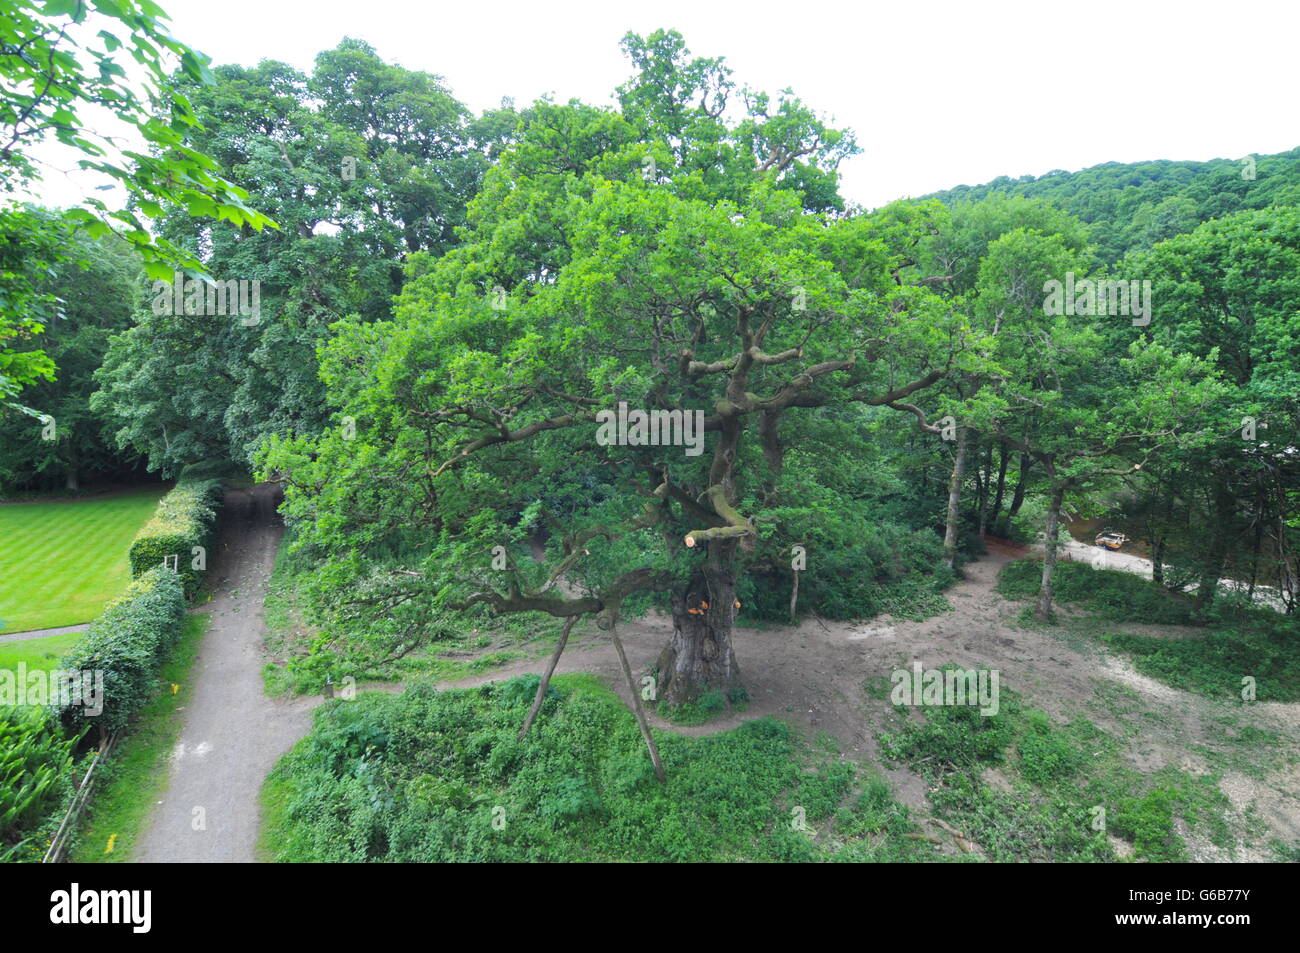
699	657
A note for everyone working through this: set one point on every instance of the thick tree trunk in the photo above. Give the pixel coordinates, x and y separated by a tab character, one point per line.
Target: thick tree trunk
1018	497
1210	576
699	657
72	481
996	510
1160	536
1214	566
953	523
1288	580
985	487
1044	612
1254	557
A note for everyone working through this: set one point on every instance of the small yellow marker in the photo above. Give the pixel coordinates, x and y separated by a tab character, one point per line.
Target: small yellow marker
112	838
175	688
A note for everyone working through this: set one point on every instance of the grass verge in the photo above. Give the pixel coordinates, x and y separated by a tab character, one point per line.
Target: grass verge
37	654
136	774
1236	642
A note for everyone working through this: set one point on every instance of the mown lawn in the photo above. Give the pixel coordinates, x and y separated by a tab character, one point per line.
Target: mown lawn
43	654
60	562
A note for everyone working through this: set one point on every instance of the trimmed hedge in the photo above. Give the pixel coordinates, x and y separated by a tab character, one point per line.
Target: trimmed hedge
186	518
128	643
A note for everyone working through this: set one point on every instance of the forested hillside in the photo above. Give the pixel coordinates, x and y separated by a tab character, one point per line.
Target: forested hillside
1133	205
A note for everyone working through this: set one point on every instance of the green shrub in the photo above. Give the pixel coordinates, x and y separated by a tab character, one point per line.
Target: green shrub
953	736
821	793
1043	808
569	799
1111	593
708	706
128	644
440	776
1266	649
521	690
185	519
955	746
856	569
1238	641
217	469
35	766
1148	822
1047	756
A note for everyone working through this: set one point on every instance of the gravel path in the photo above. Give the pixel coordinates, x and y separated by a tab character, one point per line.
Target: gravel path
1101	558
233	733
42	633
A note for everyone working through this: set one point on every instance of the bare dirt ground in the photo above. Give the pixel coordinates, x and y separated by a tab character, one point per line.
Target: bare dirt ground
233	733
812	677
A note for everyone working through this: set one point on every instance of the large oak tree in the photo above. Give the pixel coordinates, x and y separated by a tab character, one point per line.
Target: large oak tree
467	469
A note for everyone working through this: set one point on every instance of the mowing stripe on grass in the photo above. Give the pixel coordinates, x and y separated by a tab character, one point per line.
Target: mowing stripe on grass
61	562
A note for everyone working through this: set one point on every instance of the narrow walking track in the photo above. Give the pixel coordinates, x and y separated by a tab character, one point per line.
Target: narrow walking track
233	733
42	633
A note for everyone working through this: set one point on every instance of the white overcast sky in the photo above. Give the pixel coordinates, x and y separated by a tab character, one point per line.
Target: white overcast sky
939	93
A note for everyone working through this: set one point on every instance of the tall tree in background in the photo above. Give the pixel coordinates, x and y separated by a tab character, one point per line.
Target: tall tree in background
52	68
363	163
999	285
98	287
1086	417
685	103
1227	294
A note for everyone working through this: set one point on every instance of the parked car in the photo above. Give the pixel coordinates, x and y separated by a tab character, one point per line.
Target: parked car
1110	539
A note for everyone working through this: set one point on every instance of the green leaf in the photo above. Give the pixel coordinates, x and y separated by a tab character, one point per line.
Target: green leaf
59	8
158	271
